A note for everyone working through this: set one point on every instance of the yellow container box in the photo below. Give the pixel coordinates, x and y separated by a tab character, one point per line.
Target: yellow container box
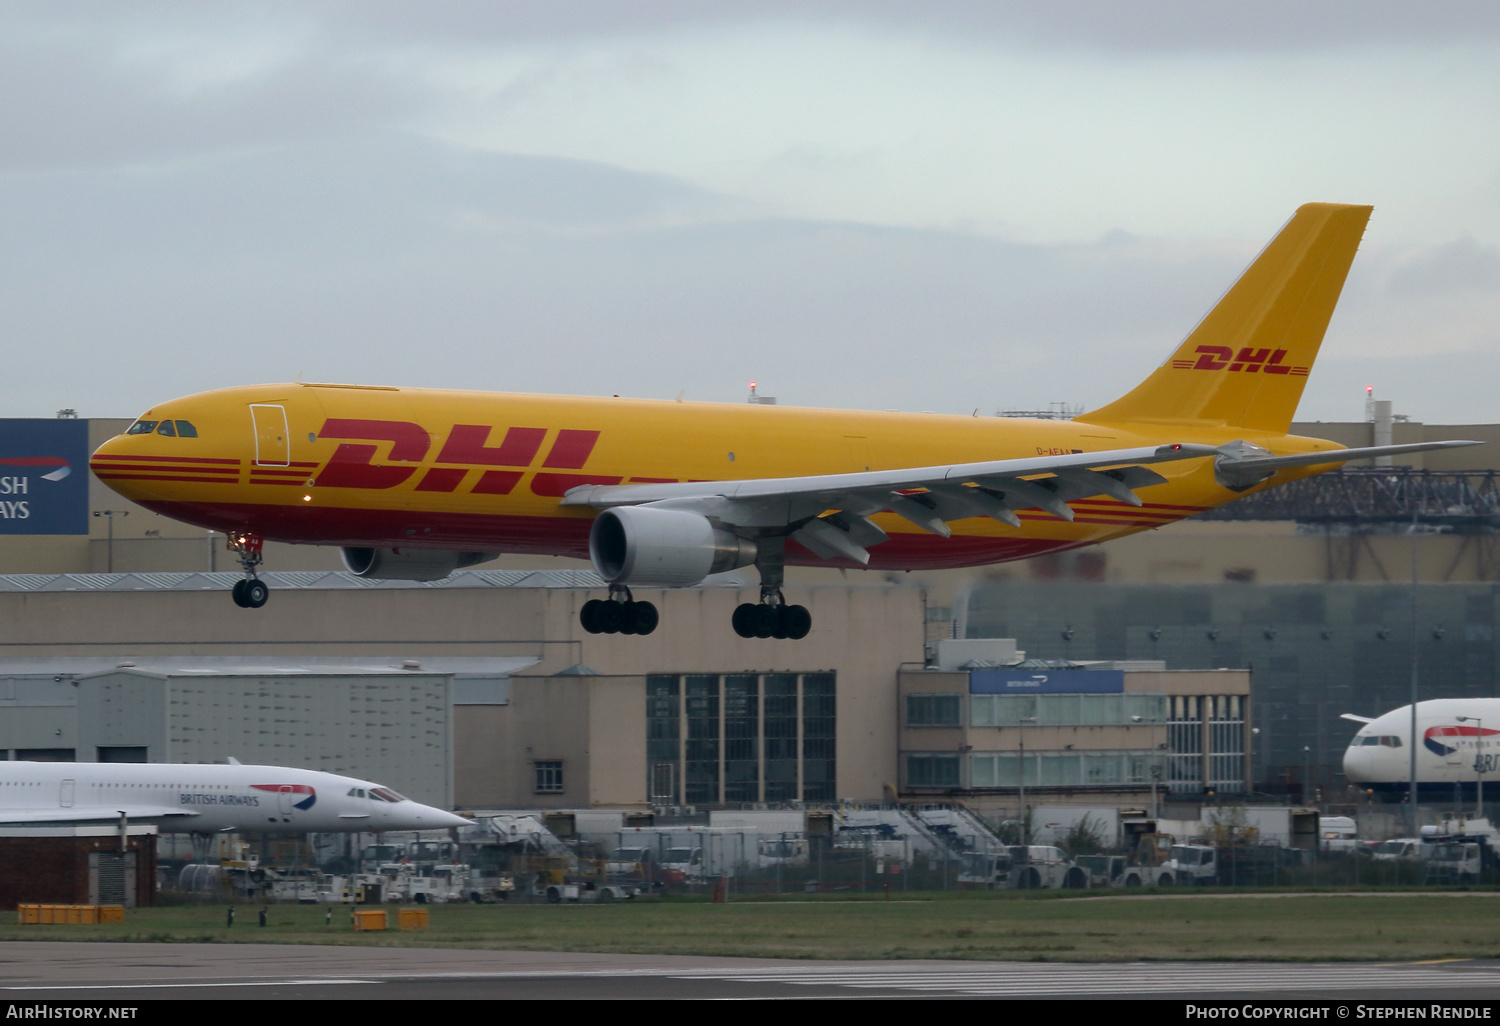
111	913
369	919
411	919
87	914
28	915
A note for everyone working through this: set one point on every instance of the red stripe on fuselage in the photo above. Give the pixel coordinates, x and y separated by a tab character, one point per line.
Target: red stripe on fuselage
561	535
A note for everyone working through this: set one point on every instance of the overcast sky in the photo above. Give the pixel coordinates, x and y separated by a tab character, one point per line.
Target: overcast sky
936	206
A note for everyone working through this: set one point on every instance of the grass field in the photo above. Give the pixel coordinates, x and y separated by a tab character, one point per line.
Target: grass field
1004	926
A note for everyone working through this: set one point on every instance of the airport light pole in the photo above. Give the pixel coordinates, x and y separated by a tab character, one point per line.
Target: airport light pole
1156	748
109	516
1025	819
1478	761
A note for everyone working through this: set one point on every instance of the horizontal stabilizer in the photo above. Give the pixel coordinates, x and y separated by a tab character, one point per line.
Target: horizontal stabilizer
1239	465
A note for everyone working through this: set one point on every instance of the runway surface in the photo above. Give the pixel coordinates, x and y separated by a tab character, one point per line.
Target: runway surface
69	972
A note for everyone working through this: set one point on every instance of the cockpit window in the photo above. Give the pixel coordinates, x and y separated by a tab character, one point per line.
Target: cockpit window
185	429
167	429
142	427
385	794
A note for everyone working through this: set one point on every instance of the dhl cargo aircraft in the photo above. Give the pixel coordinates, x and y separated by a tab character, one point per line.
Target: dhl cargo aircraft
415	483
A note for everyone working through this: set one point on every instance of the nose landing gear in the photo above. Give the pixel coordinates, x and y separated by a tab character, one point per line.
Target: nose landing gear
251	593
619	614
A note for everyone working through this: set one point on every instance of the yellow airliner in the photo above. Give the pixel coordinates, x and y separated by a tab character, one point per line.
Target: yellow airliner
415	483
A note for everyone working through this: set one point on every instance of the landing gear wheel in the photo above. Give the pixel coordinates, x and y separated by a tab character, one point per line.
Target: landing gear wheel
610	617
254	593
642	617
795	622
238	592
765	621
742	619
588	616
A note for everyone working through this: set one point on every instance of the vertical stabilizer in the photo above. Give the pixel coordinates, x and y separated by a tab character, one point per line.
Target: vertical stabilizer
1247	361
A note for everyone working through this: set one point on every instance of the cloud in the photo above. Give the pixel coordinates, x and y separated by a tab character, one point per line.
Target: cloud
1458	266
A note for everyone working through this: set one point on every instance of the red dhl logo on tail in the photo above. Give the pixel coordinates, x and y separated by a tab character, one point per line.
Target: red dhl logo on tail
1247	360
467	445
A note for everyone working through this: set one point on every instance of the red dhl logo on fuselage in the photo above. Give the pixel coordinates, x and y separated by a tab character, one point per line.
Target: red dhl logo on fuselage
468	446
1247	361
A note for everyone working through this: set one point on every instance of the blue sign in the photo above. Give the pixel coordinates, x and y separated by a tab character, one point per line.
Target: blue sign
1046	682
44	477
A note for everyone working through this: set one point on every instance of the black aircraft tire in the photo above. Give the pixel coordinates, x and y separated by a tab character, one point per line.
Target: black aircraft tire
796	621
644	617
255	593
238	593
764	621
588	616
743	625
609	617
627	617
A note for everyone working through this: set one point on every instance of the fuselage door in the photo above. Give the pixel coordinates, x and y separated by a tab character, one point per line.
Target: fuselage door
272	438
284	799
65	797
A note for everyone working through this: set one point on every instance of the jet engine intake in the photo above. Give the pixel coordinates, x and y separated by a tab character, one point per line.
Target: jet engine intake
403	564
663	548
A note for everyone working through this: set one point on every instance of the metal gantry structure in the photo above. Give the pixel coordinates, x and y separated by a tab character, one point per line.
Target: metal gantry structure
1463	501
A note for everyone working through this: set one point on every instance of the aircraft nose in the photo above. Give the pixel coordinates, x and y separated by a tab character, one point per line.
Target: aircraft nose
1356	764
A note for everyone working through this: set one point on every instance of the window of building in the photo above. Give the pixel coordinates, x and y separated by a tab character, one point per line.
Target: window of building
933	711
741	730
742	737
818	736
781	737
549	776
121	753
934	770
702	748
663	737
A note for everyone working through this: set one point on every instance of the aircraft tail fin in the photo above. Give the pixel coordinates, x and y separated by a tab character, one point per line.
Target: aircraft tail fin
1245	364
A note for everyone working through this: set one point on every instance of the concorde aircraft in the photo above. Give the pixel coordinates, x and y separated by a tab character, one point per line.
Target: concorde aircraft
415	483
1459	748
188	798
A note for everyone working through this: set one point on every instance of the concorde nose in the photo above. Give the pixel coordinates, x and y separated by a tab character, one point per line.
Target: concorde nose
430	818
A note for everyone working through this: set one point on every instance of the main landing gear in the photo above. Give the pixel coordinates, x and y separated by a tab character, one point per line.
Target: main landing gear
251	593
619	614
771	618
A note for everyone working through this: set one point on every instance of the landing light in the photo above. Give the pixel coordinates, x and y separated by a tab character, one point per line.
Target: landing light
307	498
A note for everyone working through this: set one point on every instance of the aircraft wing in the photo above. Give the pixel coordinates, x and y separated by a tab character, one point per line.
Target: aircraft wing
830	512
92	814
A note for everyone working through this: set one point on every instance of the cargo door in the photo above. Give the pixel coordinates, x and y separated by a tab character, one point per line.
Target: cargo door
272	439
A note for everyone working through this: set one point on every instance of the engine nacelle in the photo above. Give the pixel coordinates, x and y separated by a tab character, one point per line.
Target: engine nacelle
403	564
663	548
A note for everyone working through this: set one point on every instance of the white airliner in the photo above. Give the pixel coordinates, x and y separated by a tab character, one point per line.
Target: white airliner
1457	747
184	798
